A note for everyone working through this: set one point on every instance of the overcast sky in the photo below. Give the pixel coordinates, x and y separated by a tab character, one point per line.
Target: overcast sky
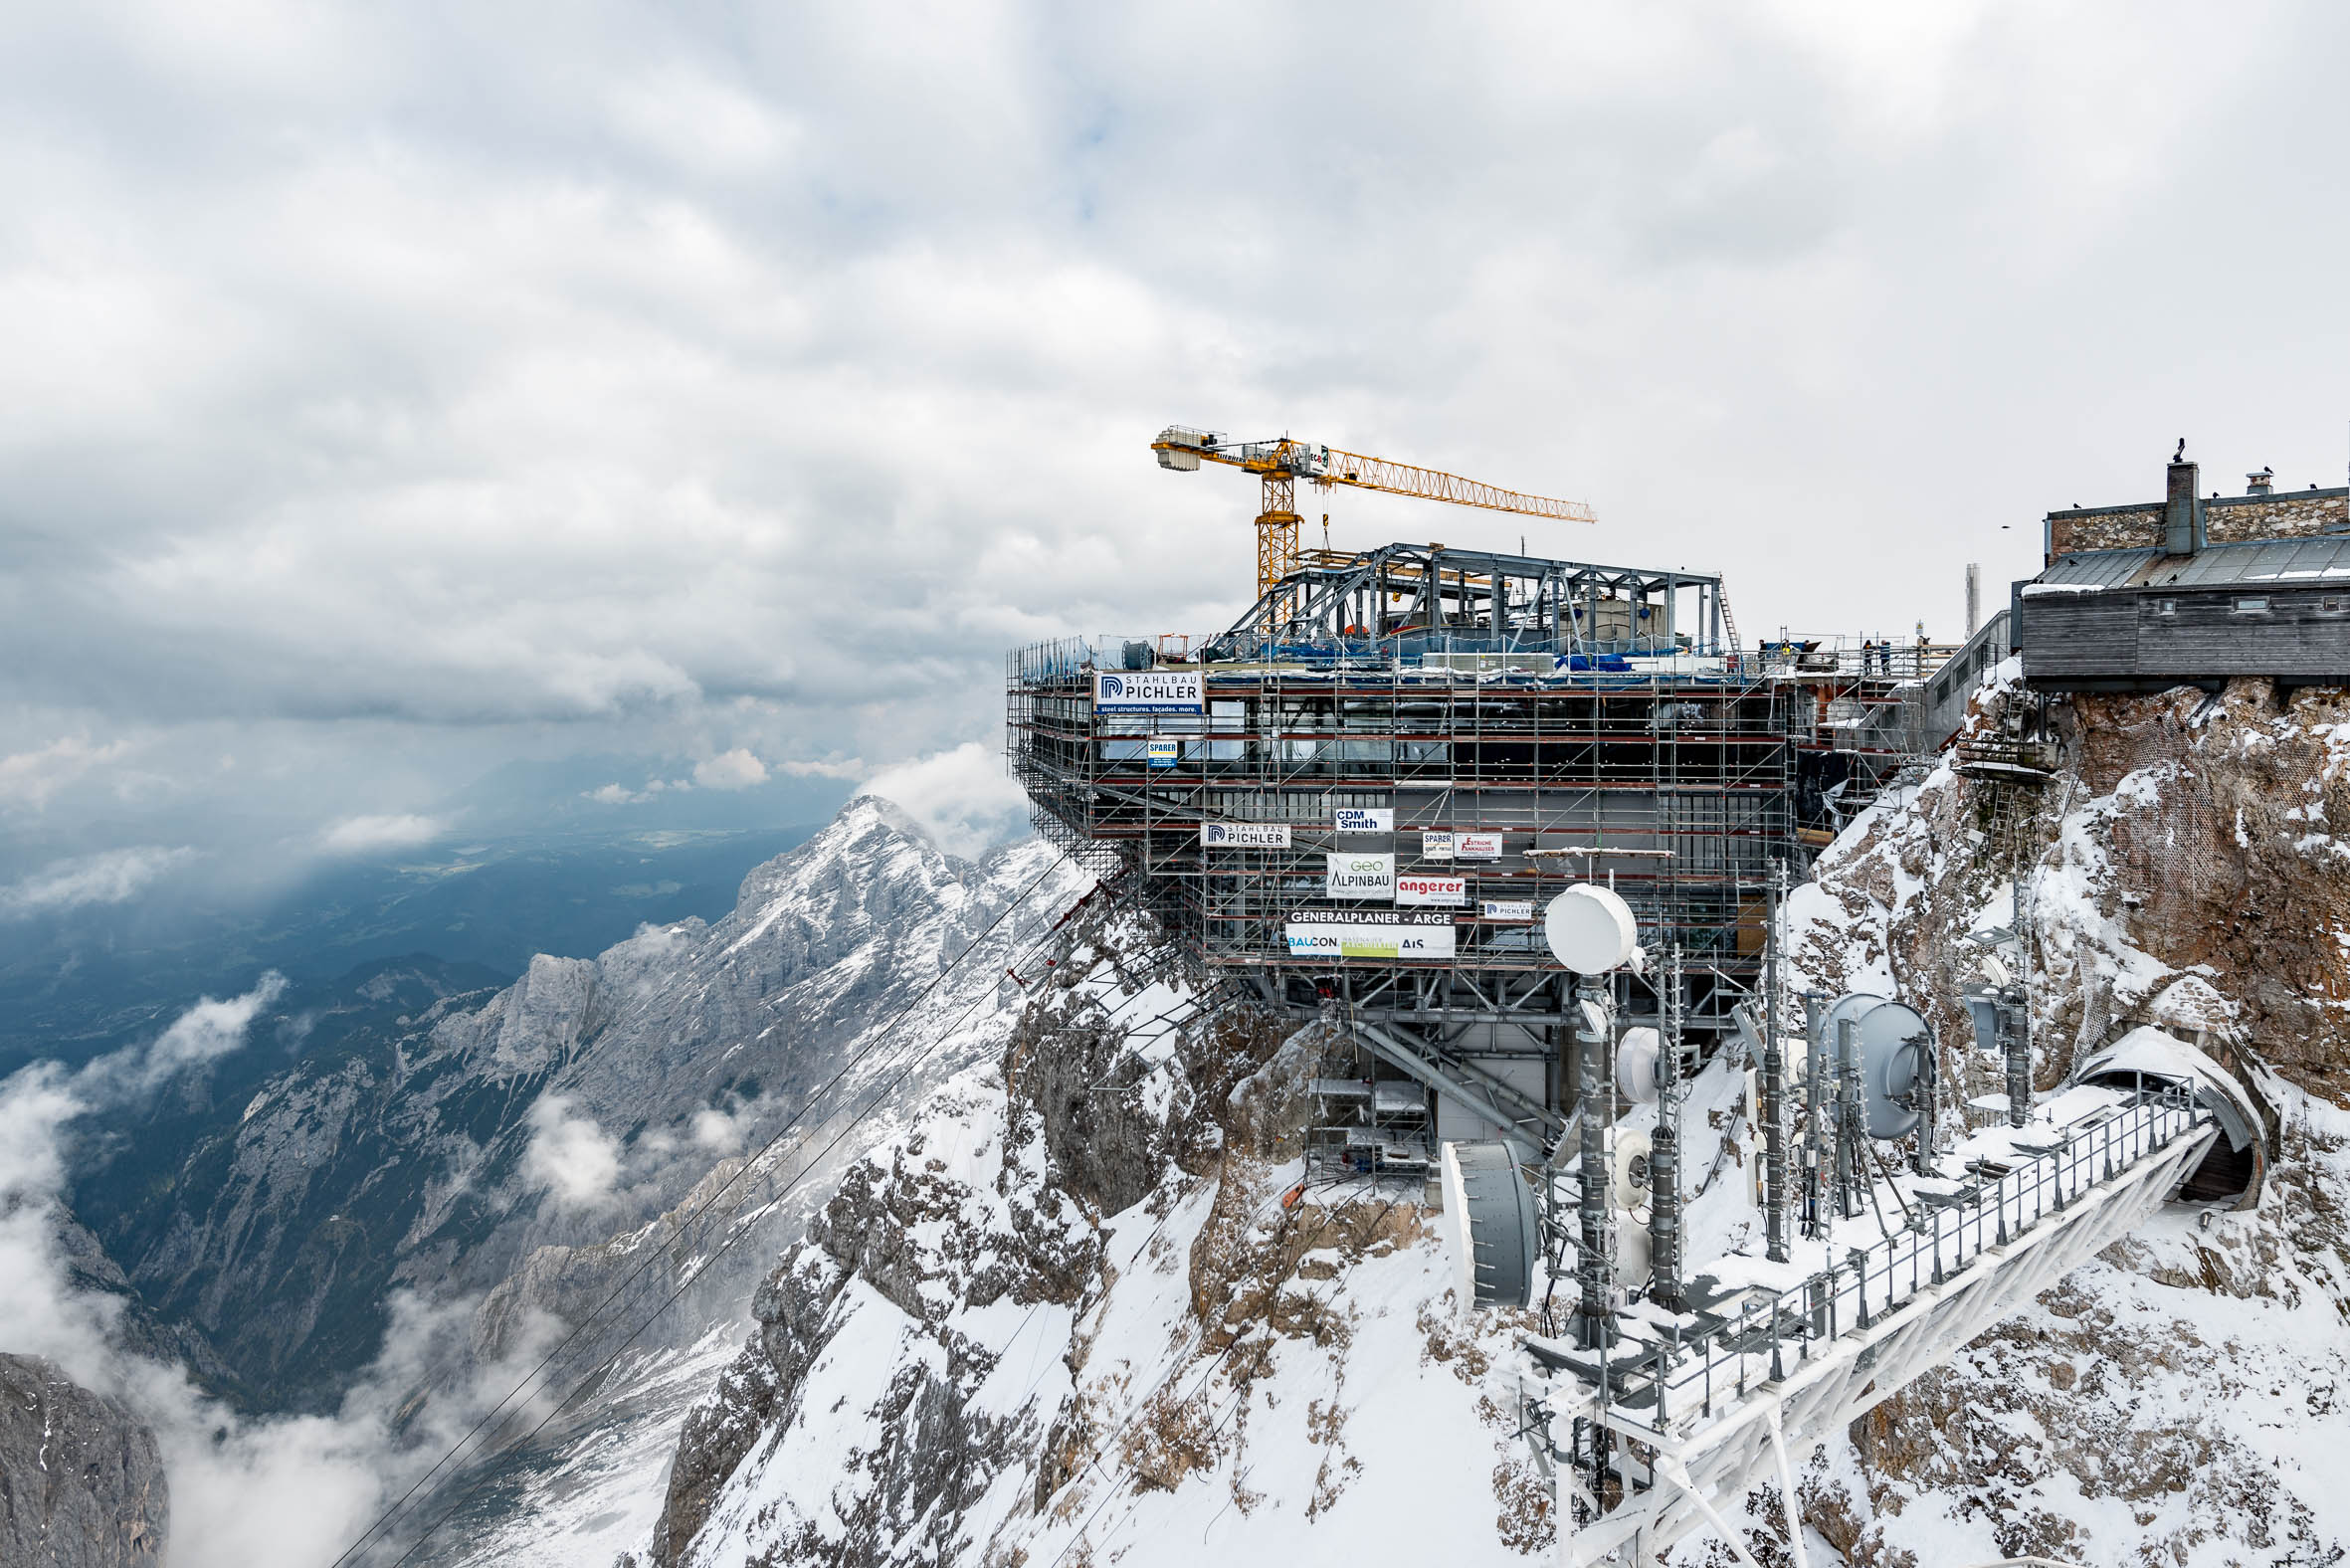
396	391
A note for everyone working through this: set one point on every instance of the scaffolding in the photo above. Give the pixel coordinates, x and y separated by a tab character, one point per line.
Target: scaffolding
1483	731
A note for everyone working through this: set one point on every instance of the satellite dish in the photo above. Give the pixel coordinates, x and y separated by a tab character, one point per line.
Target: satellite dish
1589	930
1632	1261
1893	1043
1490	1226
1638	1055
1628	1170
1851	1005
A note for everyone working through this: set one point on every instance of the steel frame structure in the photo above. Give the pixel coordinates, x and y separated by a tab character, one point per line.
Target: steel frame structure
1558	705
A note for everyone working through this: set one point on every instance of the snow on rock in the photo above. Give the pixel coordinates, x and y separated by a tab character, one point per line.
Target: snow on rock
1067	1317
1064	1317
2179	1401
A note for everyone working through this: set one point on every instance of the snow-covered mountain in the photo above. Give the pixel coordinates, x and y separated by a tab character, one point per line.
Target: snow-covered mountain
478	1177
1066	1316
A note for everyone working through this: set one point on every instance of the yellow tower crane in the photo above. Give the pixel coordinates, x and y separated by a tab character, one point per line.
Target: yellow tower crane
1281	462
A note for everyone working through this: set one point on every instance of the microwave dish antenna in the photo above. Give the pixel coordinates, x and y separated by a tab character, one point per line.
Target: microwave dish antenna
1490	1226
1893	1044
1638	1055
1590	929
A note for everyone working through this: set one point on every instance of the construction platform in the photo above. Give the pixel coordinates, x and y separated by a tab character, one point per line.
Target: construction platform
1361	793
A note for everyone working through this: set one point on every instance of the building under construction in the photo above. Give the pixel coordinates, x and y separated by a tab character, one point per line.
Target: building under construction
1362	795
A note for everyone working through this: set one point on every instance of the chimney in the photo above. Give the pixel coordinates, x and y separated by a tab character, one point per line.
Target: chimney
2261	483
1974	598
2182	512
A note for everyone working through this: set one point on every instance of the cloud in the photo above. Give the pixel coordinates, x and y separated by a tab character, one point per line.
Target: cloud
616	795
571	1156
111	876
370	835
962	796
30	778
588	415
209	1030
736	769
274	1492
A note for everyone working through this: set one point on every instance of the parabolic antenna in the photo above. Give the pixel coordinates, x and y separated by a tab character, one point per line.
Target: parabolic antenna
1589	930
1632	1261
1637	1056
1851	1005
1628	1170
1893	1044
1491	1224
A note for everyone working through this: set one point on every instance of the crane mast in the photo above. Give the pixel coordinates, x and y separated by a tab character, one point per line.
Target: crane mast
1280	463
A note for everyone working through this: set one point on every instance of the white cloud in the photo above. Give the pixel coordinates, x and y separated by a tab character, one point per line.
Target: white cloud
736	769
575	415
112	877
210	1029
571	1156
370	835
616	795
963	796
277	1493
30	778
718	1133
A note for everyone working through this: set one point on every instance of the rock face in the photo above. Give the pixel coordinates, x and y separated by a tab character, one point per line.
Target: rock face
1068	1314
431	1159
1066	1318
80	1479
2173	1402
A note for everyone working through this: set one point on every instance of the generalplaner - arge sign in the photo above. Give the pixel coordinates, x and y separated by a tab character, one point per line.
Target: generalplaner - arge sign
1149	692
1325	933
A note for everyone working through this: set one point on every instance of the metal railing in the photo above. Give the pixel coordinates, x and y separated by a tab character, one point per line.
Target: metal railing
1682	1381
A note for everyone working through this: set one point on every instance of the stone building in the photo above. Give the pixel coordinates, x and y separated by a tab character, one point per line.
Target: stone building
2190	590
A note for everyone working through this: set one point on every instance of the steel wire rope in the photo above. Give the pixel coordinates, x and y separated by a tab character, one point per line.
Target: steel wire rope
652	1255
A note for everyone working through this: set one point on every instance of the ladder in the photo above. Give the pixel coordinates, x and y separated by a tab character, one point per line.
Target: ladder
1729	622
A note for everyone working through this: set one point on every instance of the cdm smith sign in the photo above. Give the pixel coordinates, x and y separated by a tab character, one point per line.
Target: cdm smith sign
1149	692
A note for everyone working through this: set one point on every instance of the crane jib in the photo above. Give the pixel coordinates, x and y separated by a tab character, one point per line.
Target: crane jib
1282	462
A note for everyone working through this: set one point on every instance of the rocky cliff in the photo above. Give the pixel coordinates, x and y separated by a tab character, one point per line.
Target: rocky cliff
80	1479
2176	1402
1067	1319
1081	1312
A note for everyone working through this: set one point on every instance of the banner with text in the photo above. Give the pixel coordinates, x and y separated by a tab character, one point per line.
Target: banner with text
1315	933
1359	877
1149	692
1477	845
1418	887
1245	834
1506	910
1363	818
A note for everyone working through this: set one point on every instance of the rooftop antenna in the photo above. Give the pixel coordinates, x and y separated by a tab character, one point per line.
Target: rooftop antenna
1591	933
1774	1078
1665	1147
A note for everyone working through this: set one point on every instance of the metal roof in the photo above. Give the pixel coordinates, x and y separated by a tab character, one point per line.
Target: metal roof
2324	559
2282	562
2099	568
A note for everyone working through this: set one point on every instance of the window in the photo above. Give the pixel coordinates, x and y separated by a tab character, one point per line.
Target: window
2252	604
2333	604
2165	607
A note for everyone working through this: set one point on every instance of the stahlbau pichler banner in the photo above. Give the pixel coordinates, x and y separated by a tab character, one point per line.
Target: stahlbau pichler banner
1149	692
